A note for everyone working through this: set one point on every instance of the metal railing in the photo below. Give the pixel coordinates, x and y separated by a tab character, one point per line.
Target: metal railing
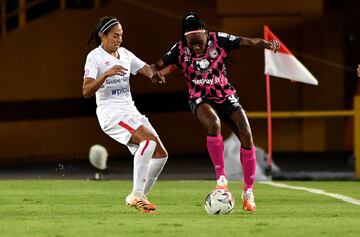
355	113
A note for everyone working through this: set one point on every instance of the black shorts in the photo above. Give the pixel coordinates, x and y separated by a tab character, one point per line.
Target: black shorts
224	109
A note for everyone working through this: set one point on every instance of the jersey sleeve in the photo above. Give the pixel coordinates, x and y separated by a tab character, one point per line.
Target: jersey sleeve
136	63
91	68
171	57
227	41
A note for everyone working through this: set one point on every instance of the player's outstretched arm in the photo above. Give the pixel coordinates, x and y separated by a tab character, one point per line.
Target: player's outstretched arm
273	45
90	86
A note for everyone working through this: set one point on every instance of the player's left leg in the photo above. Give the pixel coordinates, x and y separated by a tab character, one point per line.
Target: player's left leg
146	142
241	127
232	114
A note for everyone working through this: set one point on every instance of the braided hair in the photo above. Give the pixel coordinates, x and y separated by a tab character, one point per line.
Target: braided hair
191	22
104	26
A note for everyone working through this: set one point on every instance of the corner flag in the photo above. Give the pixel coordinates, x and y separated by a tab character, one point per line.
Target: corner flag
284	64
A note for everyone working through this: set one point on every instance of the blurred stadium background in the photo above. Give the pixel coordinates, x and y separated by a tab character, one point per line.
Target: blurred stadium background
47	127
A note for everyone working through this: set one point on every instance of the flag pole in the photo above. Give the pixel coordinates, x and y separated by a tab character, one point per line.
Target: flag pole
268	101
284	65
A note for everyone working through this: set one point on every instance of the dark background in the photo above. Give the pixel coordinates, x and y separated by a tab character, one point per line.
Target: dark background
45	119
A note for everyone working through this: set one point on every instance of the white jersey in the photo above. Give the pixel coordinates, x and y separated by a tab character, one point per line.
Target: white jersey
115	89
113	98
118	117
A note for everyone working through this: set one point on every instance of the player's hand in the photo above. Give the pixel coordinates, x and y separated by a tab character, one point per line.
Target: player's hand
157	78
358	70
273	45
116	70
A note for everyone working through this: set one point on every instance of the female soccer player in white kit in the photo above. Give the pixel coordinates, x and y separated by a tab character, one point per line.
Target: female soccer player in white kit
107	73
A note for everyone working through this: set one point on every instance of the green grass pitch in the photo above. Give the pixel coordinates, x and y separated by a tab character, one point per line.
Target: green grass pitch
59	208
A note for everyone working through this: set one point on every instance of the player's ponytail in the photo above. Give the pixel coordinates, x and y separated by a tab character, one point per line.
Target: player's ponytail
103	26
191	22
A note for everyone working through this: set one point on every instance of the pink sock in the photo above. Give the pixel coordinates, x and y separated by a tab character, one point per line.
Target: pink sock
215	146
248	162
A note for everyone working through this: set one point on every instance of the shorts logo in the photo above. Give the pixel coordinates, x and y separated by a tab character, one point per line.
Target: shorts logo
233	100
198	101
132	121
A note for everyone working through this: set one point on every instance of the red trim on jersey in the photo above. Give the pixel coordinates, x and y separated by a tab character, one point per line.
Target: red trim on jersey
146	145
127	127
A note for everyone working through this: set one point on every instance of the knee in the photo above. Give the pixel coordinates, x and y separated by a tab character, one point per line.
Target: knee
247	133
160	150
214	126
247	138
149	137
160	153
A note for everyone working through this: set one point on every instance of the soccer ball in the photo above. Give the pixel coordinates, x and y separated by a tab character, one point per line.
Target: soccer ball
219	202
98	156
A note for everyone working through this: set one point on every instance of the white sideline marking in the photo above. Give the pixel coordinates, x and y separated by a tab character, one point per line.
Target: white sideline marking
317	191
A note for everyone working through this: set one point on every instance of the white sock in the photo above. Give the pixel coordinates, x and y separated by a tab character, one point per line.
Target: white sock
155	168
141	165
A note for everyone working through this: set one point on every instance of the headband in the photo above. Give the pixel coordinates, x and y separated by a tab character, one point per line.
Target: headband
195	31
107	25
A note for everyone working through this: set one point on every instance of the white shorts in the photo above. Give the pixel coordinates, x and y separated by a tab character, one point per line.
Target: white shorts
120	127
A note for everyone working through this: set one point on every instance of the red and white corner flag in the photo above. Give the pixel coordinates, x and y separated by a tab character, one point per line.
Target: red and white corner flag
284	64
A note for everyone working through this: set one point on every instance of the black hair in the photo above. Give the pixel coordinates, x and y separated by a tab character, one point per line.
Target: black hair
191	22
101	23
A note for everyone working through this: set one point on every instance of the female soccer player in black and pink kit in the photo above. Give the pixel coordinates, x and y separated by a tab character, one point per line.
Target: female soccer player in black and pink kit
200	56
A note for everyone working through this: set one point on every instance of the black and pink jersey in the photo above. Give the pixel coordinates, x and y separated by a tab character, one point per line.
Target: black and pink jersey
205	75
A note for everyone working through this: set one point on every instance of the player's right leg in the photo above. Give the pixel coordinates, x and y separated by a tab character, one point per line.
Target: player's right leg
215	145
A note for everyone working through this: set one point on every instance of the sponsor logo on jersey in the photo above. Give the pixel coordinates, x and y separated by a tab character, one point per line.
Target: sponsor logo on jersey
112	81
120	91
206	81
107	63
